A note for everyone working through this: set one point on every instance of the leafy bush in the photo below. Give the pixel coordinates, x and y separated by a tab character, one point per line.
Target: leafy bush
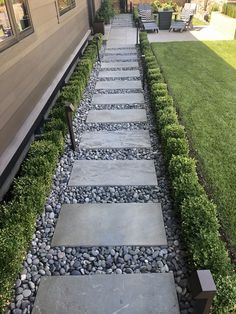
181	164
135	15
225	301
166	116
200	227
229	9
172	131
176	146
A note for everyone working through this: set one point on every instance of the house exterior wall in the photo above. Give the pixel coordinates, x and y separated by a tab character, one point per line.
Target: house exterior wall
97	4
28	67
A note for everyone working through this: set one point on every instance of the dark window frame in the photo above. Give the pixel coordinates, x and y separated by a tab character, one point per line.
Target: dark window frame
71	6
17	34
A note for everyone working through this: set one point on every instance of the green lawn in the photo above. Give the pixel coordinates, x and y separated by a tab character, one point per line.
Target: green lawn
202	79
197	22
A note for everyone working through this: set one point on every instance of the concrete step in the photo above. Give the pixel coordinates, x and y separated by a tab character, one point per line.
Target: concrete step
113	173
115	139
90	225
108	85
121	52
117	116
107	99
116	74
108	58
107	294
119	64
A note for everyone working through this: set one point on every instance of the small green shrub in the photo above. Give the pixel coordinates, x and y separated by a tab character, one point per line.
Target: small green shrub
136	16
176	146
162	102
185	186
172	131
55	137
229	9
181	164
153	75
56	124
166	116
225	300
200	228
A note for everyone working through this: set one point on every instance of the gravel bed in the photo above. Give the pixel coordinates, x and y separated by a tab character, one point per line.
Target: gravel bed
42	259
116	126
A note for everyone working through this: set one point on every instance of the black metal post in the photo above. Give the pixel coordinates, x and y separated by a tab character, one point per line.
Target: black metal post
97	39
144	70
203	290
69	108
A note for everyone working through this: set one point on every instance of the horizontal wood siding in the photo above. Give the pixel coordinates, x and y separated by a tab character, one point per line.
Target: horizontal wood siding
28	67
97	4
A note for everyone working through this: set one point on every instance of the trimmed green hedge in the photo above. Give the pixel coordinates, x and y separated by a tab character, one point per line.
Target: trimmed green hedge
30	189
229	9
200	226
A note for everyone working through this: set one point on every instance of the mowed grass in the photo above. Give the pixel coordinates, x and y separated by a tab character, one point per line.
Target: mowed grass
201	77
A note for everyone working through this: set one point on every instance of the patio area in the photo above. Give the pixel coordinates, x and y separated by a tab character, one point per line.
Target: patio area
198	33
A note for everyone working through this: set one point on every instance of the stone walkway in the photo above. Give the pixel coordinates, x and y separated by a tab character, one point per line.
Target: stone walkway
108	241
111	224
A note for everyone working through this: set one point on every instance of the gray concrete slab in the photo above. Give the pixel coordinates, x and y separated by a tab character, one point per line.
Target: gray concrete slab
122	47
119	84
119	64
115	74
108	99
115	139
120	58
112	52
113	172
117	116
107	294
89	225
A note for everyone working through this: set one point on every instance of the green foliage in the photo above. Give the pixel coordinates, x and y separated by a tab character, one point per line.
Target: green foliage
181	164
172	131
200	228
185	186
136	15
176	146
225	301
106	12
229	9
166	116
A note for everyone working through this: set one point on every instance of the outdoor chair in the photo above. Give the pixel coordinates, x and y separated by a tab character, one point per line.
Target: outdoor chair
185	21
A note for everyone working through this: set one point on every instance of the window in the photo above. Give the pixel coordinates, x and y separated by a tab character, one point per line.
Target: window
65	5
15	22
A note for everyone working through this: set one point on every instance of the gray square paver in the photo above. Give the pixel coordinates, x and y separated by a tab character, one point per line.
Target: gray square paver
117	116
107	99
120	58
89	225
119	84
115	139
119	64
113	172
114	74
107	294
